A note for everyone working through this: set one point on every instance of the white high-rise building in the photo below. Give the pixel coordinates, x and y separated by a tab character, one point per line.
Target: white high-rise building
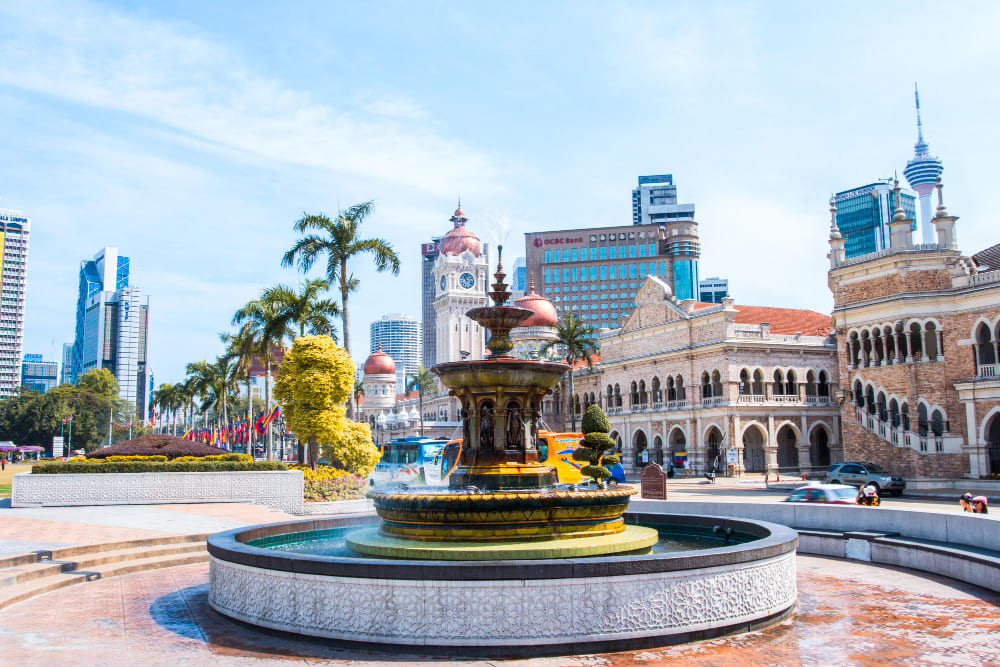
112	326
14	231
401	337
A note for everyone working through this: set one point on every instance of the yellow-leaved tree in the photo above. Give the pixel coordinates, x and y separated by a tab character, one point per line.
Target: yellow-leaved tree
313	383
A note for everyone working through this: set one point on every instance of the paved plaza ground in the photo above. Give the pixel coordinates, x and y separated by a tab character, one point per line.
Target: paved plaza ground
848	613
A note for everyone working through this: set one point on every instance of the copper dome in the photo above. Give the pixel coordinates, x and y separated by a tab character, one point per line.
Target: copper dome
459	239
379	363
545	313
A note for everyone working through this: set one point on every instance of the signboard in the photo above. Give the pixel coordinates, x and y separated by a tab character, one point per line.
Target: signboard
731	457
57	446
654	482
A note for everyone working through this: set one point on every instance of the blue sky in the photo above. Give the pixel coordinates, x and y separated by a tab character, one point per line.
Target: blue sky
191	135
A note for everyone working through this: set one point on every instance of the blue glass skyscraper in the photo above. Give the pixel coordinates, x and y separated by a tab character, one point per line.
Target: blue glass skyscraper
863	216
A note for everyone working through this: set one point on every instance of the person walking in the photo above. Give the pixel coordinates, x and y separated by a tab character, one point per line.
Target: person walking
965	501
687	468
3	463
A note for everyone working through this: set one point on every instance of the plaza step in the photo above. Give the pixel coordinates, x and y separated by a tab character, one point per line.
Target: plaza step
22	573
26	575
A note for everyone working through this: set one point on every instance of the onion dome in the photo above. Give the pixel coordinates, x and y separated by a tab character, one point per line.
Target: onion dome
544	312
414	414
459	238
379	363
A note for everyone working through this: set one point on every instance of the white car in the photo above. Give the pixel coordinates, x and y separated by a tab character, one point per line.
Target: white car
831	494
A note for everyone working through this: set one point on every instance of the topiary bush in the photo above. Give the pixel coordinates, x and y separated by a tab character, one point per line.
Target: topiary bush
595	442
154	444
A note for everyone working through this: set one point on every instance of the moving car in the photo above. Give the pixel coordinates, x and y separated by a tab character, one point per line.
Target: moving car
861	474
833	494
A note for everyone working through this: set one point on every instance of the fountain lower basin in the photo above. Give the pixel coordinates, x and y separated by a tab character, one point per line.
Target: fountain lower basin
508	607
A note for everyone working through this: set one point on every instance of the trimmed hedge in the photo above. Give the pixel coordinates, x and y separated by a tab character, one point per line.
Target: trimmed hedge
85	466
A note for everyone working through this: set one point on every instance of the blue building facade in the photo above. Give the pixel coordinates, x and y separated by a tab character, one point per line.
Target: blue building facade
38	374
864	213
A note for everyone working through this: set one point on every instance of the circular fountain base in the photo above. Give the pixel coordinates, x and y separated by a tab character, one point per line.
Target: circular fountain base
371	542
524	607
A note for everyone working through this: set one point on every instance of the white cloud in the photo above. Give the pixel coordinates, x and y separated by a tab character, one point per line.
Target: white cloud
171	74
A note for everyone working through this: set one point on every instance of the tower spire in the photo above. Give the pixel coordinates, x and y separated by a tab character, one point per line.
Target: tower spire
920	125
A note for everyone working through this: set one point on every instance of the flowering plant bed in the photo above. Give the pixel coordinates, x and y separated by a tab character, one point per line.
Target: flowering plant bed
328	483
133	464
157	444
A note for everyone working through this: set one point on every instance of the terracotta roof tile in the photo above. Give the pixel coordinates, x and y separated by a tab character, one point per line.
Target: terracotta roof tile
988	259
786	320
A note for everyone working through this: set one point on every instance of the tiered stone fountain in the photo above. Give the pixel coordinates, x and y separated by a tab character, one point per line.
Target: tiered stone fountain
502	502
505	560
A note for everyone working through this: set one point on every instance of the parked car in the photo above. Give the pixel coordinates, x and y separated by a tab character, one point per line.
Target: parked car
834	494
861	474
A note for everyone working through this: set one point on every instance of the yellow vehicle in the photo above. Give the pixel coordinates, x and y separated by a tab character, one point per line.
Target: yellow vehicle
554	449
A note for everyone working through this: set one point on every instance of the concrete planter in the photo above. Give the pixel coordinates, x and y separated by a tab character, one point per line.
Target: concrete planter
276	489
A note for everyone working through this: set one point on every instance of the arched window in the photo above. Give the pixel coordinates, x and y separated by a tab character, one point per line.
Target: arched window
745	387
618	396
609	400
791	387
671	389
758	382
937	423
985	348
866	349
859	394
877	346
890	345
894	413
716	383
922	419
633	395
870	400
931	338
657	394
778	388
810	383
916	345
706	385
642	392
681	394
854	349
904	416
881	409
823	388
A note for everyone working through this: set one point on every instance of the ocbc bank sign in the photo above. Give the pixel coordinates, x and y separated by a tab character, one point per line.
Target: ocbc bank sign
559	240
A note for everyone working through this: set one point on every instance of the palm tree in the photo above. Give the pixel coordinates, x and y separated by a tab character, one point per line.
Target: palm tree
204	379
305	308
422	380
240	349
263	325
576	343
337	241
167	398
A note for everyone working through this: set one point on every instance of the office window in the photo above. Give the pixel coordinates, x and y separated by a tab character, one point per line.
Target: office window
652	249
631	270
548	274
565	254
604	252
642	269
642	250
575	255
631	251
613	269
663	268
565	273
573	275
604	271
621	252
548	256
592	273
614	252
622	272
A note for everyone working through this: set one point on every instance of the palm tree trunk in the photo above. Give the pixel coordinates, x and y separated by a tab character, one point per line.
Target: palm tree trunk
249	442
572	411
346	320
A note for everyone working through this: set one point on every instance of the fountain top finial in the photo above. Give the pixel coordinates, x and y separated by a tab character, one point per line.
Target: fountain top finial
500	293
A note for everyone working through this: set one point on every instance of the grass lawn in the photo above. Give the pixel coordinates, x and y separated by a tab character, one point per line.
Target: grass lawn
6	475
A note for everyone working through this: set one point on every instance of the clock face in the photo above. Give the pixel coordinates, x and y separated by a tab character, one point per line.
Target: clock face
443	283
466	280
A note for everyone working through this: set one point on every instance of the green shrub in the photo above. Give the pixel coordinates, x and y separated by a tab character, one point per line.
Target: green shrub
343	487
197	465
157	458
596	441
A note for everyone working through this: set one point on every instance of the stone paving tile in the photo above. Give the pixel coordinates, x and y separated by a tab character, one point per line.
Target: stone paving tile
849	613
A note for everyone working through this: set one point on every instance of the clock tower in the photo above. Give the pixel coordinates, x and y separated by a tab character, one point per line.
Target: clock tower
460	283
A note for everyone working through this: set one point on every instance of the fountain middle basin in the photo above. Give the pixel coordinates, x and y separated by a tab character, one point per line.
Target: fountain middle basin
508	607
